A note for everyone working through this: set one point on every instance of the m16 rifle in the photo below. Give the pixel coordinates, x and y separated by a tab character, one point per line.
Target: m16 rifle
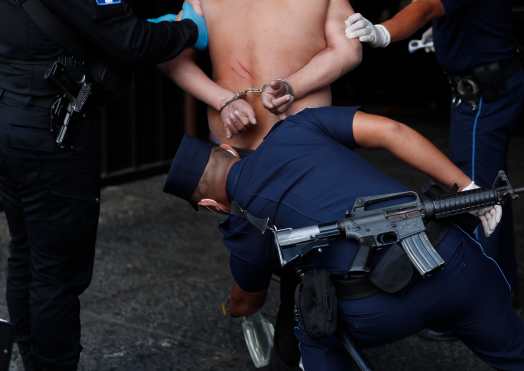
374	226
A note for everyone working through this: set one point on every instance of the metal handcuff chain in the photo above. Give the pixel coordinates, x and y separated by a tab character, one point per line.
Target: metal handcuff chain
254	91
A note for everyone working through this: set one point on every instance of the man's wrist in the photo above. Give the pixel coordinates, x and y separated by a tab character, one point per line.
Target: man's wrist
227	100
294	91
220	97
288	87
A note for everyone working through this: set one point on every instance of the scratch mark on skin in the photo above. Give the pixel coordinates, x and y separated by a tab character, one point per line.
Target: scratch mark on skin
241	70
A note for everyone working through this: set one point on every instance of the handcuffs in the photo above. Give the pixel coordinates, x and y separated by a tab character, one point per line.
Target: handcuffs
255	91
465	90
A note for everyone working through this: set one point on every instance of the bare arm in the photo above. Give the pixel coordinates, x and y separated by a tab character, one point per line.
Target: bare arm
372	131
413	17
243	303
340	56
185	72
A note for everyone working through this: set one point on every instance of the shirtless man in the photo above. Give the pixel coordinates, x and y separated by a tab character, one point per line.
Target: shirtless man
296	47
252	43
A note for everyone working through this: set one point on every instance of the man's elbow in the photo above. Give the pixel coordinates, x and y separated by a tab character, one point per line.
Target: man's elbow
431	9
356	55
350	54
393	133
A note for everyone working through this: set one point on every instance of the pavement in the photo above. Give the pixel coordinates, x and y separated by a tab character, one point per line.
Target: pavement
161	273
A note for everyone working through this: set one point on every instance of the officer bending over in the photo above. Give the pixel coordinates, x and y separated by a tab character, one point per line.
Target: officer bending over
49	169
473	43
306	172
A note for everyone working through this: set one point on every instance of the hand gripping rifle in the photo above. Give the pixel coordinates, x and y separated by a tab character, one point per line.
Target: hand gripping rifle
374	226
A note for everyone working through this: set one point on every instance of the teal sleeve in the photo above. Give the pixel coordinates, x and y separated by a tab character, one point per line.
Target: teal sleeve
164	18
189	13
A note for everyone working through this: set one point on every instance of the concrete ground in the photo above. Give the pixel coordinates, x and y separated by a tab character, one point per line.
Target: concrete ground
161	273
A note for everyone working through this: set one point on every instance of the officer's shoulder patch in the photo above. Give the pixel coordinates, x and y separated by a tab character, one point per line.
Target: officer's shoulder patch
108	2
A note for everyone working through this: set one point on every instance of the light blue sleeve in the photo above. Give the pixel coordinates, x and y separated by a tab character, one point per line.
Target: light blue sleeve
164	18
188	13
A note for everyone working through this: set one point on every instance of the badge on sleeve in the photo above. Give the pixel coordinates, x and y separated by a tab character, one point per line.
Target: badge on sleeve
108	2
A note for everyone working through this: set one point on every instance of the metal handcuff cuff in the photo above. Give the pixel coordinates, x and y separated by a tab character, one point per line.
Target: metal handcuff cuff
255	91
465	90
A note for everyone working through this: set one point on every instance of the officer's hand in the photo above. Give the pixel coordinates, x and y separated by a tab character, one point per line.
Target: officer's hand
427	39
237	116
277	97
489	216
358	27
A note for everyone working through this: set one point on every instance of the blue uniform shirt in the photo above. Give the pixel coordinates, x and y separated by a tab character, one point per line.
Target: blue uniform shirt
473	33
304	172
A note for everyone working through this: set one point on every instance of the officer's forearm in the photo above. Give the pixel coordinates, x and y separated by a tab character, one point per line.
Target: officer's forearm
243	303
412	18
185	72
155	43
414	149
119	33
372	131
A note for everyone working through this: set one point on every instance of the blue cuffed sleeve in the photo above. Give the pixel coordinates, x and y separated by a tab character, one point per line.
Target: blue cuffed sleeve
337	122
251	254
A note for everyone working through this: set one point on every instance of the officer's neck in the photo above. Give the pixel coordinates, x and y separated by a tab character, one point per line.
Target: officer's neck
217	189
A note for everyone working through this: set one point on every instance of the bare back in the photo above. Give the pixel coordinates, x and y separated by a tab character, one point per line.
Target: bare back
253	42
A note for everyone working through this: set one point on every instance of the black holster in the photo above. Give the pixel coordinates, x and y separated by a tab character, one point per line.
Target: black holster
316	304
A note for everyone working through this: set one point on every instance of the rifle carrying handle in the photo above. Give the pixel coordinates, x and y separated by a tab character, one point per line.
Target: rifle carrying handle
363	203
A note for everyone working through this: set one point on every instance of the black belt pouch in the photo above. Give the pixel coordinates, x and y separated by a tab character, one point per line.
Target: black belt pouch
316	301
393	272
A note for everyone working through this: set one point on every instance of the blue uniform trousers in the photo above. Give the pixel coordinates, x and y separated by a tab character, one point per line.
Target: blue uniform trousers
470	296
479	145
51	200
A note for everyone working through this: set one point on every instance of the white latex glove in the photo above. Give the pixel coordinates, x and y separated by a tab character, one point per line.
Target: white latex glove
427	39
358	27
489	216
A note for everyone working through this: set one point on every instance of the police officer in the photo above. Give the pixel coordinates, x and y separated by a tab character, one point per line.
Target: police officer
473	42
306	172
50	193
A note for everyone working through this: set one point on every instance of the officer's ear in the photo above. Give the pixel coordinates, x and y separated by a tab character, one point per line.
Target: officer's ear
229	149
214	206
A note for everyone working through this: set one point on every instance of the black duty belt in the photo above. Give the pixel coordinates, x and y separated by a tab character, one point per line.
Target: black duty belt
487	81
39	101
